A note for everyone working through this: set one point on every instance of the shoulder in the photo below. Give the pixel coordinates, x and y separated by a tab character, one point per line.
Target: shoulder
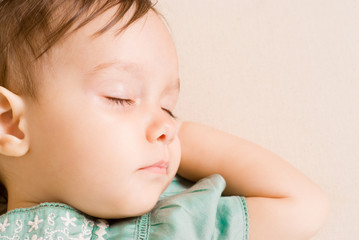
201	210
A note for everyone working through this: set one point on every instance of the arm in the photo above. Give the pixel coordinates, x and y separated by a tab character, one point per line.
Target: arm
282	202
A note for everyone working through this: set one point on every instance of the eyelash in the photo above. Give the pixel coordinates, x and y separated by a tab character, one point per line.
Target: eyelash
120	101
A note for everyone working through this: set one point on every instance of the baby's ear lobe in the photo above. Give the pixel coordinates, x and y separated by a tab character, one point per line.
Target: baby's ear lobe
13	133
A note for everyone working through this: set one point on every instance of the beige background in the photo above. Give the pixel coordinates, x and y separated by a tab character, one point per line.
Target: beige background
284	74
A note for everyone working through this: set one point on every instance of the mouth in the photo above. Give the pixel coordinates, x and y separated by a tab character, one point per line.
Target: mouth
157	168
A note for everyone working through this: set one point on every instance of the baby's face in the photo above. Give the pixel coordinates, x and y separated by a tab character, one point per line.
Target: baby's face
104	156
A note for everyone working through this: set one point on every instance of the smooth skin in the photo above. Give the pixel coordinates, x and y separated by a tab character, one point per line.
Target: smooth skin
101	116
78	144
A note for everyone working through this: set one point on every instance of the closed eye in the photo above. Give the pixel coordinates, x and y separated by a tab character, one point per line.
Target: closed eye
120	101
170	113
123	102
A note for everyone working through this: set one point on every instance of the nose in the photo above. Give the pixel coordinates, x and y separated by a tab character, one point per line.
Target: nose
162	127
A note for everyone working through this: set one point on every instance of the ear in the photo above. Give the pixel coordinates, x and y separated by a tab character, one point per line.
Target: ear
13	131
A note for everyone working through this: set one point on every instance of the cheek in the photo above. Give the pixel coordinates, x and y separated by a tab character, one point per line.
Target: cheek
73	140
91	154
99	145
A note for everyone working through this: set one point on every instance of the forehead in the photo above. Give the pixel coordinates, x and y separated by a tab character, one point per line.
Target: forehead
145	47
131	68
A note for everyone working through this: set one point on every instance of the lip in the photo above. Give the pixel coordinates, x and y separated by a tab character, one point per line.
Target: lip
158	168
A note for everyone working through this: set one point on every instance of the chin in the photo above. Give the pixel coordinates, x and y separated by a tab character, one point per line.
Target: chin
141	207
124	210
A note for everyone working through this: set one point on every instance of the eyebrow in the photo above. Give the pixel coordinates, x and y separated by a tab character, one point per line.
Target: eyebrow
130	67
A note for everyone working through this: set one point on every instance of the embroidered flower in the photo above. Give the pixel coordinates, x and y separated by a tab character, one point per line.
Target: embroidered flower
35	223
4	225
68	220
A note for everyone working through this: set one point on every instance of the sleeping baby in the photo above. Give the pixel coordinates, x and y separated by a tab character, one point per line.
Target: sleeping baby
90	147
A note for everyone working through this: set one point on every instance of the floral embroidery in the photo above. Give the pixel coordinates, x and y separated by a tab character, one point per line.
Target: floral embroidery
68	220
4	225
35	223
50	221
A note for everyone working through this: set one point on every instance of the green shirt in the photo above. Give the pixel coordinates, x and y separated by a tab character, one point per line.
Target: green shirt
184	211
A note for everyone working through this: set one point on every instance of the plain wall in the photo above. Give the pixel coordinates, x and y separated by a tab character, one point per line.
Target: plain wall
283	74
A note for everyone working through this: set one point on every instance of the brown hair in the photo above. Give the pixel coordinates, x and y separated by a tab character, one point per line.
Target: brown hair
30	28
